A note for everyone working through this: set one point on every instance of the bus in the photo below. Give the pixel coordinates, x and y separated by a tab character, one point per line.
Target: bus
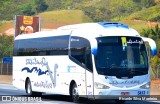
91	60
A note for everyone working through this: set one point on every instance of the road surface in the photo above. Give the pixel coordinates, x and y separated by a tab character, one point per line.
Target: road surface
8	92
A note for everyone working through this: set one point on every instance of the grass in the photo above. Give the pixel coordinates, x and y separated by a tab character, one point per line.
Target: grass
5	25
54	19
135	24
148	14
139	24
143	19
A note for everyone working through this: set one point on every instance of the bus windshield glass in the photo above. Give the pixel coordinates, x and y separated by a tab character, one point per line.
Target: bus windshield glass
121	56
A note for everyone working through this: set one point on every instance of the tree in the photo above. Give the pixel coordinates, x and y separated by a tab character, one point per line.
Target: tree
121	8
6	46
156	32
147	3
4	3
27	9
152	32
11	8
39	6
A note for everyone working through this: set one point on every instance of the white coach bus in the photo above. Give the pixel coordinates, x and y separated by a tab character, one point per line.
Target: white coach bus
92	60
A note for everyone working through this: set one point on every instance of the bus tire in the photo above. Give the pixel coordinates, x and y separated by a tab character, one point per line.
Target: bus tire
74	93
120	101
29	89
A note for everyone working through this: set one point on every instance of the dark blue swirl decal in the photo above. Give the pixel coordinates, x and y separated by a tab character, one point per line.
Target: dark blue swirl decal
35	69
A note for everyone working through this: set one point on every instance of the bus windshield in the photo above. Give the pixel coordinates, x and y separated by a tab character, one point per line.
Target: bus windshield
121	56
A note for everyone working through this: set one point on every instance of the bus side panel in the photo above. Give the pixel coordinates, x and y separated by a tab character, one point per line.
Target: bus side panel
50	74
34	68
18	76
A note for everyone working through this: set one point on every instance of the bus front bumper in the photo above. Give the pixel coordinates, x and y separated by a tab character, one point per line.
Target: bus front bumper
117	94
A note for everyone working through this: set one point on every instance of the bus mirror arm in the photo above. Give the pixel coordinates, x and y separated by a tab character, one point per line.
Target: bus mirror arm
94	46
152	45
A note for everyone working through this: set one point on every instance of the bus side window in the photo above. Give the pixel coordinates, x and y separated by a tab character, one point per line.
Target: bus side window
16	50
42	46
80	52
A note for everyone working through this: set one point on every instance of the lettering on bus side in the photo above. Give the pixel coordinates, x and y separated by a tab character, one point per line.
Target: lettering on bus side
44	84
34	61
39	69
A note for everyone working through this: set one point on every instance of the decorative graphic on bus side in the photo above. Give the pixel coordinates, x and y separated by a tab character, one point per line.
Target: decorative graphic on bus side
35	69
71	68
43	63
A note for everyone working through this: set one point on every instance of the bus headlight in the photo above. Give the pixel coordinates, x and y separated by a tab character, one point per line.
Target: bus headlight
100	86
145	86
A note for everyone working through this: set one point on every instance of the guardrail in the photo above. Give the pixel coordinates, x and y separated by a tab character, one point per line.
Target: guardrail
6	69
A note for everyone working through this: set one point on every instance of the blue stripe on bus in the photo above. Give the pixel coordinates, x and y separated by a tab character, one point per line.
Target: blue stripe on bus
35	69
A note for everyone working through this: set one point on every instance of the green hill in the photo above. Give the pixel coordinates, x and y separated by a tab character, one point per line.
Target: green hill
54	19
57	18
148	14
147	17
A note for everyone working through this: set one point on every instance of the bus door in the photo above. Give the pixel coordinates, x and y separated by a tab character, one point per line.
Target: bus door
89	74
89	85
80	53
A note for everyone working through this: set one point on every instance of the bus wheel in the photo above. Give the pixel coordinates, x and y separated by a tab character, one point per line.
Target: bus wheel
120	101
29	89
74	93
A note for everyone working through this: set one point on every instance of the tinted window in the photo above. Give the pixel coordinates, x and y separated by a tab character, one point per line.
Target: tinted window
121	56
42	46
80	52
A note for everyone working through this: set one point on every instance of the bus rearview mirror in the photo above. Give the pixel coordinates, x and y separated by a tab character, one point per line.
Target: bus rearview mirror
152	45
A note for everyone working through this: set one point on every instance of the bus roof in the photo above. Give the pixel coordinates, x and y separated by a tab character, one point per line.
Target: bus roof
100	29
93	29
43	34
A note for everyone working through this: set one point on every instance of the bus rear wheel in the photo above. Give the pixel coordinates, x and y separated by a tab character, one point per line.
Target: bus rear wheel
29	89
74	93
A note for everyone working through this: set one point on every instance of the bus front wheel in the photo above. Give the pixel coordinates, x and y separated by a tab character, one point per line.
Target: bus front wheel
74	93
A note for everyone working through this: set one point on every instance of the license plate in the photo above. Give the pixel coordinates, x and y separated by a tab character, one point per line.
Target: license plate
125	93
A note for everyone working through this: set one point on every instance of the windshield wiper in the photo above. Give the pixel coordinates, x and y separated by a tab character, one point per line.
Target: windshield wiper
137	71
113	66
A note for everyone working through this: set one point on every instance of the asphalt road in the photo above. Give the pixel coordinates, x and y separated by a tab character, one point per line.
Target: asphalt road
8	93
